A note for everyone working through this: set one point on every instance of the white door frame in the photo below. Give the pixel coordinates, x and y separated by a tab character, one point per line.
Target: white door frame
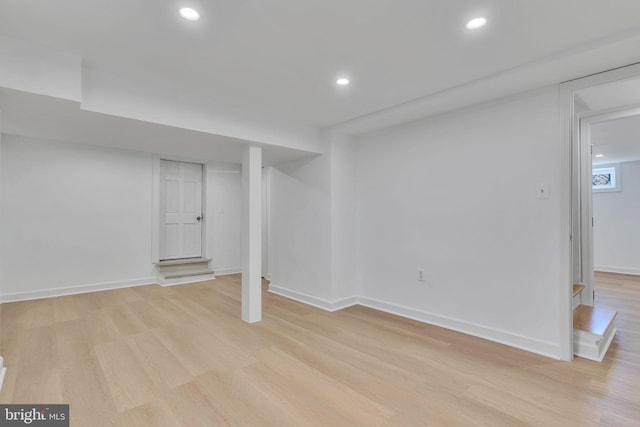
155	206
586	121
571	156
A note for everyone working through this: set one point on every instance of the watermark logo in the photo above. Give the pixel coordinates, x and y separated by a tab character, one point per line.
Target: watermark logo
34	415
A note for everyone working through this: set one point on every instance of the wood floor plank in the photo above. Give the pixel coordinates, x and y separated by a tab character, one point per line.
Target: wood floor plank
38	383
157	361
128	382
85	388
181	356
155	413
65	308
319	391
191	406
126	319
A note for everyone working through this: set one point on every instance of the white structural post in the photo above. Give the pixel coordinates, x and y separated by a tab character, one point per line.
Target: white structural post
252	234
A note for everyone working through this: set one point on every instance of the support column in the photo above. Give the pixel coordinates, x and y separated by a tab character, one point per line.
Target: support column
252	234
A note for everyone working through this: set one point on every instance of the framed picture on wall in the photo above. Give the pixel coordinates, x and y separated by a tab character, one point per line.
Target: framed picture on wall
605	178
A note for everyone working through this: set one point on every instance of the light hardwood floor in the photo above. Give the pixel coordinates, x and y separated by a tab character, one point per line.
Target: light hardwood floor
181	356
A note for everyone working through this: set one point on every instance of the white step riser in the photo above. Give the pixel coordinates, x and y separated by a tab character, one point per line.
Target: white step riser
180	271
187	274
183	268
593	346
184	280
577	300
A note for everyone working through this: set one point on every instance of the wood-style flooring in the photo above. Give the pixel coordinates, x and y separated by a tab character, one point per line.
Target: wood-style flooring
181	356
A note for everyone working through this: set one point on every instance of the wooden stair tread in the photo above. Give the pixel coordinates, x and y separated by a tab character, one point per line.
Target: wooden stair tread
595	320
577	289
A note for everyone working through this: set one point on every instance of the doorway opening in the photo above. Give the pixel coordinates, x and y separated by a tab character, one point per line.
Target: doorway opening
178	222
595	103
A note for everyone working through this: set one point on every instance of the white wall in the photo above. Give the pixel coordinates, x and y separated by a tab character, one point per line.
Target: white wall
74	216
299	246
455	195
343	217
616	232
312	226
78	217
224	197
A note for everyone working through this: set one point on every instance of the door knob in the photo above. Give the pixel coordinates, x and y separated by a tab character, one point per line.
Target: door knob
199	218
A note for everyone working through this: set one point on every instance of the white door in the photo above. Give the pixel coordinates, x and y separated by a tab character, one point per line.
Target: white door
180	210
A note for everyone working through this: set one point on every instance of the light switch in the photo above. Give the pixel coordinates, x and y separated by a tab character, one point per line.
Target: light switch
543	191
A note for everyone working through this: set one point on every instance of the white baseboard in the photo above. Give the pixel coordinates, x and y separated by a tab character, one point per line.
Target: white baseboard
543	348
185	280
227	271
311	300
619	270
80	289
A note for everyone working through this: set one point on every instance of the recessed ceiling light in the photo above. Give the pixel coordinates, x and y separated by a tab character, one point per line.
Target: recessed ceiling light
599	155
342	81
190	14
476	23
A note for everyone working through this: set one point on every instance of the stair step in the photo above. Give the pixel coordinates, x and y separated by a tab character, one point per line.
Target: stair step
187	274
593	331
577	295
182	261
595	320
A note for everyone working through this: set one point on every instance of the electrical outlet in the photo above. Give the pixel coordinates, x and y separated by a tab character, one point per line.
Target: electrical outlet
421	275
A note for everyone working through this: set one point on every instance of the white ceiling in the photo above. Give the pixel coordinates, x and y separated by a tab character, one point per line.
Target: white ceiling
618	140
281	57
612	95
60	120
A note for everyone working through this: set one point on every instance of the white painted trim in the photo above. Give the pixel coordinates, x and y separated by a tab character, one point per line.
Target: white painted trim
619	270
3	371
185	280
2	374
566	224
269	239
311	300
227	271
155	210
605	77
585	177
206	232
577	300
80	289
543	348
569	130
591	346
